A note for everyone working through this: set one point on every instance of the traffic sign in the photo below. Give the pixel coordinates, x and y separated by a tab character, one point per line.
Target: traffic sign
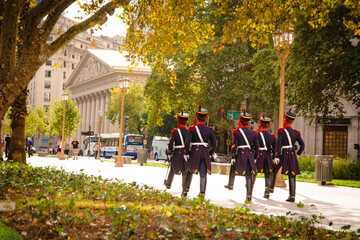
233	115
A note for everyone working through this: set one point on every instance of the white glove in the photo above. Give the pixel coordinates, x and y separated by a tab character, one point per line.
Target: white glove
232	161
186	158
255	160
277	160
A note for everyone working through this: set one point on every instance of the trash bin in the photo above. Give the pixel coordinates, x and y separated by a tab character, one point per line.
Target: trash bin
142	156
323	168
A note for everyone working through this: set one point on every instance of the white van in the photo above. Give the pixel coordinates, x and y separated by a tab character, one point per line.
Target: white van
158	148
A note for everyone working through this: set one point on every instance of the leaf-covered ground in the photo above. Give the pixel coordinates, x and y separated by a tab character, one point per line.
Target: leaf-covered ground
54	204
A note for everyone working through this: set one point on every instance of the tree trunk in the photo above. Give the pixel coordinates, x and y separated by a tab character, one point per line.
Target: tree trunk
2	139
18	119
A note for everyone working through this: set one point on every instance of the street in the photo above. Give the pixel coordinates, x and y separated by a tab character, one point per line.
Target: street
339	205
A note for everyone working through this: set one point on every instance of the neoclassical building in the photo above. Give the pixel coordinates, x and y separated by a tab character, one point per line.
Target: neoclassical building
97	73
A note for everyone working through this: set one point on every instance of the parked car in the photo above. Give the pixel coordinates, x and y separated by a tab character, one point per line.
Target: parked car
220	158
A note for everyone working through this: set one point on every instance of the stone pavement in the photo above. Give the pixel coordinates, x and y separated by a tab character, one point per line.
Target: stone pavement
339	205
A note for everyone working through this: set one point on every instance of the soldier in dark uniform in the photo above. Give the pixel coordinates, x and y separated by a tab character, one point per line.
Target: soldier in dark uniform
196	144
285	156
242	162
176	149
267	142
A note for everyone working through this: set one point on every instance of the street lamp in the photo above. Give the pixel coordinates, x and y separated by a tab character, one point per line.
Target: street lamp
283	40
123	85
64	98
100	120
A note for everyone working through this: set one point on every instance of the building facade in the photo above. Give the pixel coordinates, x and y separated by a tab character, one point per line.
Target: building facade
97	73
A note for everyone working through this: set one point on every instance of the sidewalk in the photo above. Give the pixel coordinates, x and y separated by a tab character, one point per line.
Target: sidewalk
340	205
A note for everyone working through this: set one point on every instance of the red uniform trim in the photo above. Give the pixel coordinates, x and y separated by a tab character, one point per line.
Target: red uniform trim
298	132
280	130
255	132
273	135
201	123
245	127
174	130
211	128
235	131
191	128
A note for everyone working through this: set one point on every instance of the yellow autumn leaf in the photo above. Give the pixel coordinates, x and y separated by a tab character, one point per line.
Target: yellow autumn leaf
57	66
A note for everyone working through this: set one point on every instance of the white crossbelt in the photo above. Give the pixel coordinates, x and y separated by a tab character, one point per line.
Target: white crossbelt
289	140
201	143
246	140
181	139
264	143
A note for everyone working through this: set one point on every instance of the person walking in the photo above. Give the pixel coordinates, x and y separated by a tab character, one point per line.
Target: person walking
96	149
196	152
67	148
75	149
243	159
7	144
285	155
267	142
176	149
30	145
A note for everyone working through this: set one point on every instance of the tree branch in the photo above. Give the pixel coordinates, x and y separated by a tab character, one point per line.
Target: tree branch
37	13
98	17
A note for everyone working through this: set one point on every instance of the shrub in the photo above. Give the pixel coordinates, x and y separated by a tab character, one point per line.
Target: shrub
8	233
307	163
346	169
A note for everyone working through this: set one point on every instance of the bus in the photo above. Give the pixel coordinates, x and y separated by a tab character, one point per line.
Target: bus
158	148
110	144
89	144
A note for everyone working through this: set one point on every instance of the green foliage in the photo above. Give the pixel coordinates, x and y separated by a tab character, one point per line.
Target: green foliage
72	117
36	122
346	169
306	163
8	233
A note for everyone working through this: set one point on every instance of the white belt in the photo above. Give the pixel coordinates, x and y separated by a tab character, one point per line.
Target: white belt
198	143
264	148
179	146
243	146
285	147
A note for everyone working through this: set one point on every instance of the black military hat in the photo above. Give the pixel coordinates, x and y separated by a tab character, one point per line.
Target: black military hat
201	113
264	120
245	117
183	117
290	116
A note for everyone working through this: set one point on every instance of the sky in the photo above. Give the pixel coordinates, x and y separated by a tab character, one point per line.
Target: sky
113	26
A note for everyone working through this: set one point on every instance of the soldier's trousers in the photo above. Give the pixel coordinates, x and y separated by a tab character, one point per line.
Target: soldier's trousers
203	178
170	178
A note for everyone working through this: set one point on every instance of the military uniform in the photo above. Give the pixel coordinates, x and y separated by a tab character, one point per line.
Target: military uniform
244	149
285	151
176	149
196	146
267	142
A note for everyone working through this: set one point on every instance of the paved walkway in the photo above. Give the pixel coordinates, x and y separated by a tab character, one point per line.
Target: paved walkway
340	205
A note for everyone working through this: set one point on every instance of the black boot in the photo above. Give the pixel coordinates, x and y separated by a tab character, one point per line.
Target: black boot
187	184
169	180
183	174
202	185
273	178
248	189
230	185
292	185
267	183
253	179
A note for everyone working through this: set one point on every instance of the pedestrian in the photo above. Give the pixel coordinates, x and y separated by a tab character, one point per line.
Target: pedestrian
264	163
176	149
285	155
30	145
67	148
58	148
196	152
75	149
244	151
7	144
96	149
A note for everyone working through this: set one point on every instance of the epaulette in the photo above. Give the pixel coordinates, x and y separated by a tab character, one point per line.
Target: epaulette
211	128
273	135
191	128
255	132
235	131
280	130
298	132
174	130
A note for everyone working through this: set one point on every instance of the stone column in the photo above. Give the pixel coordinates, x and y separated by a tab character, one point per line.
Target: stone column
92	113
107	121
79	105
88	112
102	108
97	109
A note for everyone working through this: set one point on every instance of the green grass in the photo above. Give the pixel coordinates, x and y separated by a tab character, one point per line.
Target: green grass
8	233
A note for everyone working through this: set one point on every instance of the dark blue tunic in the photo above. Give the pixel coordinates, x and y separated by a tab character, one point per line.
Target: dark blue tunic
245	164
199	160
177	161
288	158
265	159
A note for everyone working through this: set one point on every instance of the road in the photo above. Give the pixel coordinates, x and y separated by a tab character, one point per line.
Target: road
339	205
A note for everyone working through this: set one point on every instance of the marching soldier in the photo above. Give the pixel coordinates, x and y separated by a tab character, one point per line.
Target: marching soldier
196	143
176	149
267	142
285	156
242	162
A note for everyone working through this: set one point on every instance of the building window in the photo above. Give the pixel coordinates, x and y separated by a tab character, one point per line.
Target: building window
65	53
47	73
81	46
64	75
63	86
50	38
108	45
64	63
80	57
48	63
72	66
46	108
335	141
47	84
47	97
73	56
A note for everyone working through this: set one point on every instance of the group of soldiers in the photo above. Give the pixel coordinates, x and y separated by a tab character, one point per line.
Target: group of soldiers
251	152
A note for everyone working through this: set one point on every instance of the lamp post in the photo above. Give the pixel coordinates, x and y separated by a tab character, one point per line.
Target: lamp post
283	40
64	98
100	120
123	84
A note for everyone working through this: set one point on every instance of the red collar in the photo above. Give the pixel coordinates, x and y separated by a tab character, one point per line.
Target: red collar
182	127
264	130
201	123
245	127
